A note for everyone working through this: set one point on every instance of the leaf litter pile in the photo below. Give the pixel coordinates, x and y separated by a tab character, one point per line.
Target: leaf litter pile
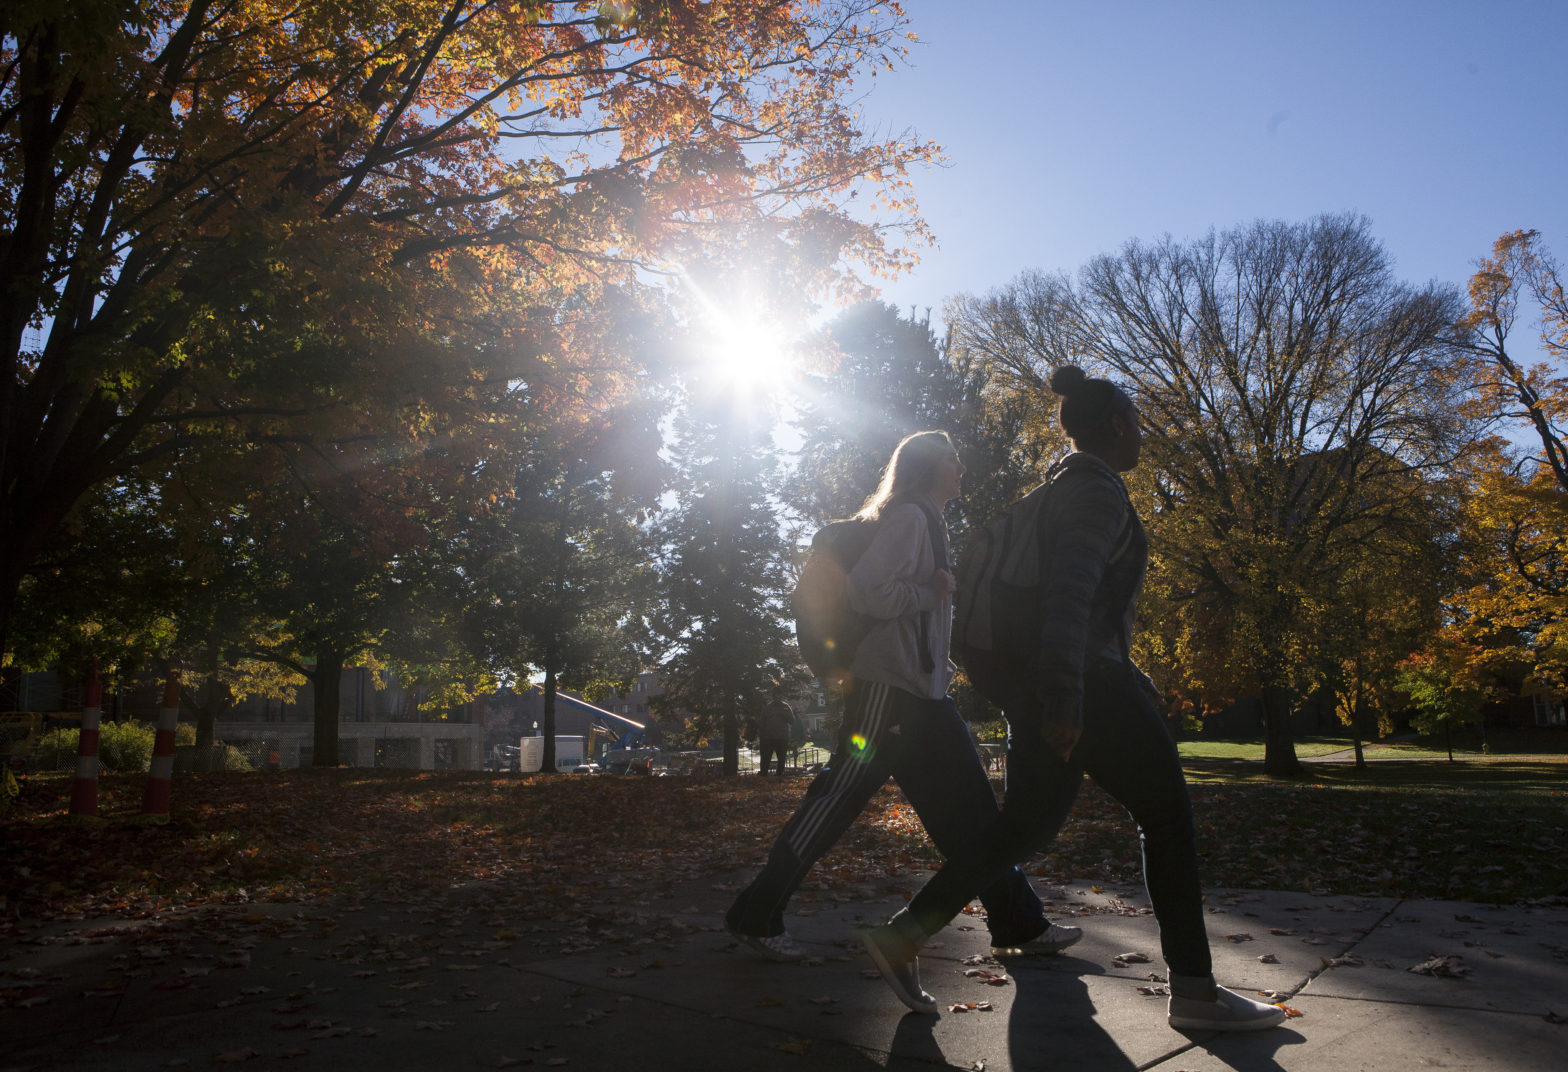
348	836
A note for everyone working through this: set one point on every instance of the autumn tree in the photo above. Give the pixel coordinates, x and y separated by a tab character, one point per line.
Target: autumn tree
1536	393
1444	688
1383	606
189	185
1509	622
1292	395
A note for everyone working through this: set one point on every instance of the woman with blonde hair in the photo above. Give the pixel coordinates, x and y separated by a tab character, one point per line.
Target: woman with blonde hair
898	719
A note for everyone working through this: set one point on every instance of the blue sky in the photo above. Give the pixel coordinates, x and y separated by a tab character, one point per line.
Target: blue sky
1072	127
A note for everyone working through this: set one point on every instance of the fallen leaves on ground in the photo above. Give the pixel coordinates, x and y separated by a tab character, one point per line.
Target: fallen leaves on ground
349	835
1451	967
988	978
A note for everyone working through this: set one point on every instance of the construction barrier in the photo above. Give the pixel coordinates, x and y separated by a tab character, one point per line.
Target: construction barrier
155	801
84	791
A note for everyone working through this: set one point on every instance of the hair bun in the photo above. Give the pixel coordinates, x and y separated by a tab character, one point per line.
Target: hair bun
1068	380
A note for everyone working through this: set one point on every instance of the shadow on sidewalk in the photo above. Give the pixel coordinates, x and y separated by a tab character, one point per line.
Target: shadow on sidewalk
1055	1025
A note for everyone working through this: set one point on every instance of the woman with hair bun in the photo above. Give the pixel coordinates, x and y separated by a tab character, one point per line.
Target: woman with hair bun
1087	709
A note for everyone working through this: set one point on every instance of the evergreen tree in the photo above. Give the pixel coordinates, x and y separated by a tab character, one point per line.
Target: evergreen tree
719	621
567	571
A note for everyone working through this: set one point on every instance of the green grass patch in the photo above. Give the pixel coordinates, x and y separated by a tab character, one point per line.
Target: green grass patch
1483	829
1517	742
1252	748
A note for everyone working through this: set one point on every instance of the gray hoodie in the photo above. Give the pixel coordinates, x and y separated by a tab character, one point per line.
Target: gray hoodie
892	581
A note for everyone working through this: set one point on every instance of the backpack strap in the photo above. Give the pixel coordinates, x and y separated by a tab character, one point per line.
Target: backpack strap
939	556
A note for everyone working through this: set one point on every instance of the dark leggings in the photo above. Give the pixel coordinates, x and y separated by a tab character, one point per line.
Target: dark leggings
925	746
1129	753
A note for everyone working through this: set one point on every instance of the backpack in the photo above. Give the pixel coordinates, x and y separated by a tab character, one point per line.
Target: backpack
998	611
827	629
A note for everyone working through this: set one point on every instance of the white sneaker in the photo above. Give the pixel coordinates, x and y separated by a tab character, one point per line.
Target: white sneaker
896	960
1229	1011
780	947
1051	941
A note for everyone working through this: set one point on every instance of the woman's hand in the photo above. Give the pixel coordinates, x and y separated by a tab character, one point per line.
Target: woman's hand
944	582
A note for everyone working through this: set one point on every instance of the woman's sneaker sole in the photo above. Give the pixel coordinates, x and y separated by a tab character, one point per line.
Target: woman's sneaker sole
780	948
903	976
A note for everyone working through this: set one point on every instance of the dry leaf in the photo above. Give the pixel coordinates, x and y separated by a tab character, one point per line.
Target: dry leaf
1451	967
234	1057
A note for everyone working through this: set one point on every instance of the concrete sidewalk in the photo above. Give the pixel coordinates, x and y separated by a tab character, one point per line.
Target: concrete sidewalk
461	982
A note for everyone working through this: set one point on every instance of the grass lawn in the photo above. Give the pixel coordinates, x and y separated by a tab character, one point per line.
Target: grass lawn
1482	829
1470	743
1252	748
1519	743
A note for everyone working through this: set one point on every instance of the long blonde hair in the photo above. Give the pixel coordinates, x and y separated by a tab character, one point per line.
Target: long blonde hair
908	473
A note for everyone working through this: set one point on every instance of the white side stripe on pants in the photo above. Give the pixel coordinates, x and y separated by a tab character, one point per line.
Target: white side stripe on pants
873	715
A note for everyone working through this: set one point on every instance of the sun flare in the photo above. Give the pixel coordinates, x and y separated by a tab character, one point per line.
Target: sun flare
740	346
749	353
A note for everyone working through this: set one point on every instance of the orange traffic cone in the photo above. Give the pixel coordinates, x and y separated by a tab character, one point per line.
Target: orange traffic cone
155	801
84	791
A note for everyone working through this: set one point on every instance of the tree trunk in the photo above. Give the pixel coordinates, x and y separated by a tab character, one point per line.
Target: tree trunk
10	585
1356	716
548	765
1448	740
1279	743
731	724
218	698
216	702
327	682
